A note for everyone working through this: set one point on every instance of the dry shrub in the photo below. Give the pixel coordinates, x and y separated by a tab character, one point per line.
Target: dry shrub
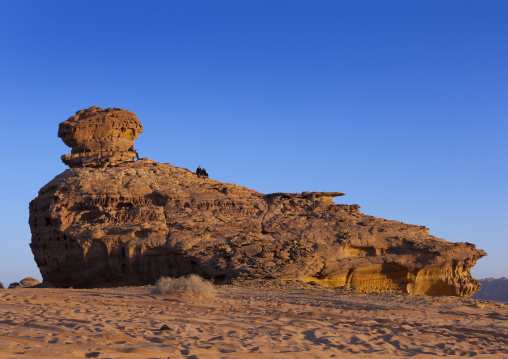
190	286
479	305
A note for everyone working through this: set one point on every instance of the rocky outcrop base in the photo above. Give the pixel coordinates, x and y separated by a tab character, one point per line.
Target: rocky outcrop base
131	224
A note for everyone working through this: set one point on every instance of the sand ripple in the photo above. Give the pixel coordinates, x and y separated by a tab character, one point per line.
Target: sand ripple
255	321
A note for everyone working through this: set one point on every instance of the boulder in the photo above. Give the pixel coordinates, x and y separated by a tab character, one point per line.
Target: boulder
29	282
99	138
133	222
2	285
14	285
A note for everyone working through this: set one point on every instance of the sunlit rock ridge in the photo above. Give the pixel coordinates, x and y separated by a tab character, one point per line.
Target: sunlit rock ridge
113	221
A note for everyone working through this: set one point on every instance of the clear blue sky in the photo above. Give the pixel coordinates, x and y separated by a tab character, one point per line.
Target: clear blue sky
402	105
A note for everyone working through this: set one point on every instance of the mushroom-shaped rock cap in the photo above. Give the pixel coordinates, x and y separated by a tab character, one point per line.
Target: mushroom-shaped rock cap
99	137
95	129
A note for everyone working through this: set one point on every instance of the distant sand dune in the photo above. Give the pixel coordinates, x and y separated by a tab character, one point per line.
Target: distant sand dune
254	321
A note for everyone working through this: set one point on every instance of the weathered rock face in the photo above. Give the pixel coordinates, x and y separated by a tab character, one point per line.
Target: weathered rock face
131	224
99	138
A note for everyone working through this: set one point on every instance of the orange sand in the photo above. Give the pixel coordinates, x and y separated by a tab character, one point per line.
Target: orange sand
247	321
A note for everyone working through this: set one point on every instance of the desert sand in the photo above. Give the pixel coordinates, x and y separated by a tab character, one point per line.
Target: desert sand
255	320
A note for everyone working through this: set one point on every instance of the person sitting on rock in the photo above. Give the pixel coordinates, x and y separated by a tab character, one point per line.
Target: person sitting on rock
132	149
204	174
199	171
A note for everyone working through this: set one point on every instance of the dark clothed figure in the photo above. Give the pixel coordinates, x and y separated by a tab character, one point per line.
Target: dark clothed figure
199	171
132	149
204	174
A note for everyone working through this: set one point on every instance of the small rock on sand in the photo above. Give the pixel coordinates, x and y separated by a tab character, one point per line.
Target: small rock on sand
172	327
29	282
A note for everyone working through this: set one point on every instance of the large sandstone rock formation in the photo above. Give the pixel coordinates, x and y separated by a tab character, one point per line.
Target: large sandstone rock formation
132	222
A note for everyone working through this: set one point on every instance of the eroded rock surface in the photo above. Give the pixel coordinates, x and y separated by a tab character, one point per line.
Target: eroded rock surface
99	138
134	222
